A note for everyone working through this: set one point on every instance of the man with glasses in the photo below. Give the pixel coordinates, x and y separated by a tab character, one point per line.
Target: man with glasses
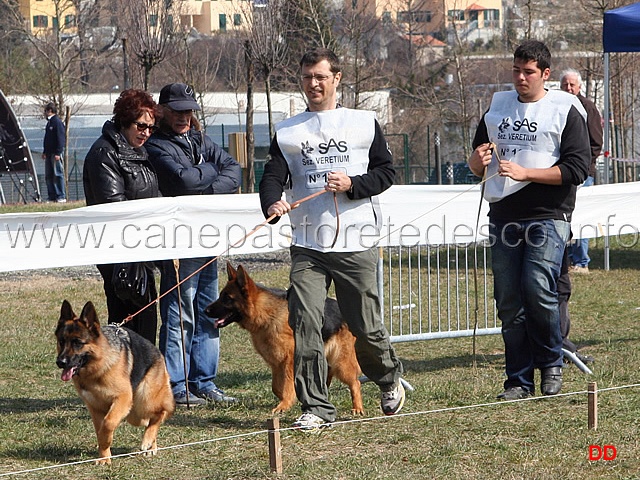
188	162
344	152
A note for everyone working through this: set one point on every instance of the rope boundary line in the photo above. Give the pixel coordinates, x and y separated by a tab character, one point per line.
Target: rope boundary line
337	423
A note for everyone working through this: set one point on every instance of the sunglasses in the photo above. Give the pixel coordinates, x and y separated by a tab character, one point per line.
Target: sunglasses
144	126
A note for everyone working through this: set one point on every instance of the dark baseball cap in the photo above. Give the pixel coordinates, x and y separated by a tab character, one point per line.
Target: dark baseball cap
178	96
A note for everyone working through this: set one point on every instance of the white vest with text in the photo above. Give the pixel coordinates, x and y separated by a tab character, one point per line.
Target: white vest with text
314	144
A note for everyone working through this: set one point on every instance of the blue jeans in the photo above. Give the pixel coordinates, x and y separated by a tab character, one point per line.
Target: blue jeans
579	249
54	176
201	338
526	261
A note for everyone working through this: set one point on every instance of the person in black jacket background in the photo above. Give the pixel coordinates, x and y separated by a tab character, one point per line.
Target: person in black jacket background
116	169
52	149
188	162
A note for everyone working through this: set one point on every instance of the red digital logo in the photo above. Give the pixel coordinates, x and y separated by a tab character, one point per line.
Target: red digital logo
605	452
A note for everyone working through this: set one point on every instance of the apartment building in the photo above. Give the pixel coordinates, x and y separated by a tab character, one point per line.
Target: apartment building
45	15
206	16
473	19
211	16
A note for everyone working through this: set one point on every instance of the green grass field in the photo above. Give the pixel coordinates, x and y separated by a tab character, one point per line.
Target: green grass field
450	428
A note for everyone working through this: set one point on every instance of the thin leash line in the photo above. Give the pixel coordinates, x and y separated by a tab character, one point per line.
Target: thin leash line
265	222
481	183
476	309
340	422
254	230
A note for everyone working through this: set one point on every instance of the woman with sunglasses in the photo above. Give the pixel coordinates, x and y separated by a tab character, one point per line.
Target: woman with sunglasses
116	169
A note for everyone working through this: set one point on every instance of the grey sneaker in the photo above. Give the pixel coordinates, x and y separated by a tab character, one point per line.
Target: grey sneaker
392	401
216	395
181	399
308	422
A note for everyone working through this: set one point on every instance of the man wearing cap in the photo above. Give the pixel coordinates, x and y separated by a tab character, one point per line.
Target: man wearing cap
188	162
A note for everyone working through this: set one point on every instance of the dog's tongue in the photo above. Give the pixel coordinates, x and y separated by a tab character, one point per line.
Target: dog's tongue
67	374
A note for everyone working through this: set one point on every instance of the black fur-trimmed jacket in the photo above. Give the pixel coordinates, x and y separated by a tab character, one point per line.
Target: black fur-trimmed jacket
114	171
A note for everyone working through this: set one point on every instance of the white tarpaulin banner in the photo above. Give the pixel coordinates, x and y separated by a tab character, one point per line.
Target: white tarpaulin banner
211	225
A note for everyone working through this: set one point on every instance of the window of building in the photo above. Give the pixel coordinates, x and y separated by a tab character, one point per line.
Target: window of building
41	21
153	20
386	18
492	18
456	15
54	23
222	20
492	14
237	19
70	21
415	17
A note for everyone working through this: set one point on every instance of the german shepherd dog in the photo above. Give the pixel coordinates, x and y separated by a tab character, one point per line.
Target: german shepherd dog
264	313
118	374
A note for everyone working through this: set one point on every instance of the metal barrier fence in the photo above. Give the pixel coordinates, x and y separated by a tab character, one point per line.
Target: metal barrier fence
431	292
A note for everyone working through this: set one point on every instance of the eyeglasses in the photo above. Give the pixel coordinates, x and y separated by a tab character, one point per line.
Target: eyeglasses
318	78
143	126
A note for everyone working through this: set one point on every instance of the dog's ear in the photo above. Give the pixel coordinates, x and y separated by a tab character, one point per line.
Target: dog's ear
231	272
66	312
90	316
244	280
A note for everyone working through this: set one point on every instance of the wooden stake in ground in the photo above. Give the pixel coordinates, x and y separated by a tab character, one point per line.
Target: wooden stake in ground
275	447
593	405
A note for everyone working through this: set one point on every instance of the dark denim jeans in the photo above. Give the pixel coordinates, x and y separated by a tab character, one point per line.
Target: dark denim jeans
54	177
201	338
526	261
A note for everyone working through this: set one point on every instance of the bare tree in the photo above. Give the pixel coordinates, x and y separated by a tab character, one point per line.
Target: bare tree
362	39
92	41
200	74
267	43
148	26
54	48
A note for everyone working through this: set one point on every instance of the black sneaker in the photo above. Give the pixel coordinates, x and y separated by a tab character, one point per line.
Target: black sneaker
585	358
514	393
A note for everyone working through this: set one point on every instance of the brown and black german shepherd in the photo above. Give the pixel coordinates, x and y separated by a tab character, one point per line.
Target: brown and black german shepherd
264	313
118	374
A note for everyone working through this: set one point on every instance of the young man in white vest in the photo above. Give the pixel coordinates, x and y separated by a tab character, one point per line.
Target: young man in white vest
534	145
341	151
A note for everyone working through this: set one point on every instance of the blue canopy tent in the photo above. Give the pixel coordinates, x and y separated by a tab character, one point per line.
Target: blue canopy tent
620	33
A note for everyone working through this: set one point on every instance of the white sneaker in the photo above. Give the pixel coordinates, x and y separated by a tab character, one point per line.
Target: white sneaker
392	401
309	422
